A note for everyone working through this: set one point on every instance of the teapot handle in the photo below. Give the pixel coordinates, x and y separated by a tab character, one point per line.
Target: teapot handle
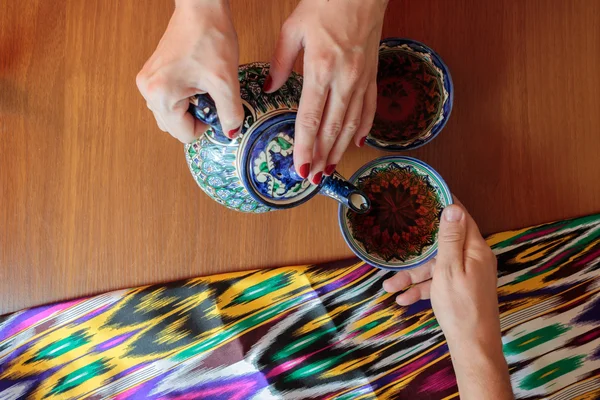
203	108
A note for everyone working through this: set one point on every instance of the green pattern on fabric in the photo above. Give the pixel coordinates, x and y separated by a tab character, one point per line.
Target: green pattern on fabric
535	338
551	372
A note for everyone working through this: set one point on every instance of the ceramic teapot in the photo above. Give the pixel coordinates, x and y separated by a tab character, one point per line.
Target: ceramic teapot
389	210
255	171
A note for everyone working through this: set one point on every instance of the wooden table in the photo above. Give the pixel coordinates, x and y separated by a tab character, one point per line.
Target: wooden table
94	197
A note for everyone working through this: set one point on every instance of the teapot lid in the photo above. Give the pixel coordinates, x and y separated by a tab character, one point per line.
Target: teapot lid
267	166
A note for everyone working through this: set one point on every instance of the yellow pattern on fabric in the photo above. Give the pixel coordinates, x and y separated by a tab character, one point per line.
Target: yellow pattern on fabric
328	331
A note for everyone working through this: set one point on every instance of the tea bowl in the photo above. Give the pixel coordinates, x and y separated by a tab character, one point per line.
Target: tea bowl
407	198
415	94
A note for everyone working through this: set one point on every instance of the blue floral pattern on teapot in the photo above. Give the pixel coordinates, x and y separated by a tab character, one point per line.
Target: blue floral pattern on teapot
254	172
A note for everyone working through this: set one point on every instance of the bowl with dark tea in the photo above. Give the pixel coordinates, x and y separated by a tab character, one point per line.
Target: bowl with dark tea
400	229
414	96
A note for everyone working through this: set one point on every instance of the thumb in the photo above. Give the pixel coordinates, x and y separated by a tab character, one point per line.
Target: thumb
287	49
451	237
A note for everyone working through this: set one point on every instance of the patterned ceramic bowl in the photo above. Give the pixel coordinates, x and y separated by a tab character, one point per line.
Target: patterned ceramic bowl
414	96
407	199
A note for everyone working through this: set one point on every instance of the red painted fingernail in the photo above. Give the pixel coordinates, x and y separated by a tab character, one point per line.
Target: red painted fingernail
305	170
362	142
268	84
330	169
317	178
231	134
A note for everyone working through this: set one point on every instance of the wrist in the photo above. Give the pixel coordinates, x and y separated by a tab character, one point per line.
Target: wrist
478	357
476	331
481	370
477	348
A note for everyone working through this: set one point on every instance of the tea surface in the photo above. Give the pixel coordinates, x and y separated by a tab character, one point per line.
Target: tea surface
410	97
404	216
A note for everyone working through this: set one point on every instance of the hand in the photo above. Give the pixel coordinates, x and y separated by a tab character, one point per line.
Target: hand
339	96
461	281
198	53
463	292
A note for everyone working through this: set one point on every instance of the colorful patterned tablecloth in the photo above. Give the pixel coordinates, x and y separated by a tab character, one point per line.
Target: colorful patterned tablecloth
312	332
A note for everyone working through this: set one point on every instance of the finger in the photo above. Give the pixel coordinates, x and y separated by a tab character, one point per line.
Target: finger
199	128
404	279
451	237
368	114
473	236
179	123
422	291
331	126
351	124
308	120
225	91
477	251
286	52
169	103
159	122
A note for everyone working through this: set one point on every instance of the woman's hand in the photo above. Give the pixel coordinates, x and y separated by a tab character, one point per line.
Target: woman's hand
341	42
462	284
461	281
198	53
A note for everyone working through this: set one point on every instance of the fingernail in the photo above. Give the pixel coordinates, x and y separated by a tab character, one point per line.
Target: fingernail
268	84
362	142
231	134
330	169
453	214
317	178
305	170
386	286
399	300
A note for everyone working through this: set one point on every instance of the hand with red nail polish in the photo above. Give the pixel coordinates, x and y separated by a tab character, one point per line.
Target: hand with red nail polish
233	133
338	102
317	178
461	282
304	170
198	53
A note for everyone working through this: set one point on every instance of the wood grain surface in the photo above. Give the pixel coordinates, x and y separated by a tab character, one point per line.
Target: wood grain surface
94	197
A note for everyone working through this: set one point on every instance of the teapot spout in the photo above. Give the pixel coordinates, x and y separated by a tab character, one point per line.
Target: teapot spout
339	189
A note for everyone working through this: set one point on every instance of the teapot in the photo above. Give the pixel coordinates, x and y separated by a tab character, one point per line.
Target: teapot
389	209
255	172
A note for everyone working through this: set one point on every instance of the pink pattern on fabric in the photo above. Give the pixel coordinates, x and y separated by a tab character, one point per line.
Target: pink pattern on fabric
538	234
35	319
439	381
286	366
589	258
233	391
